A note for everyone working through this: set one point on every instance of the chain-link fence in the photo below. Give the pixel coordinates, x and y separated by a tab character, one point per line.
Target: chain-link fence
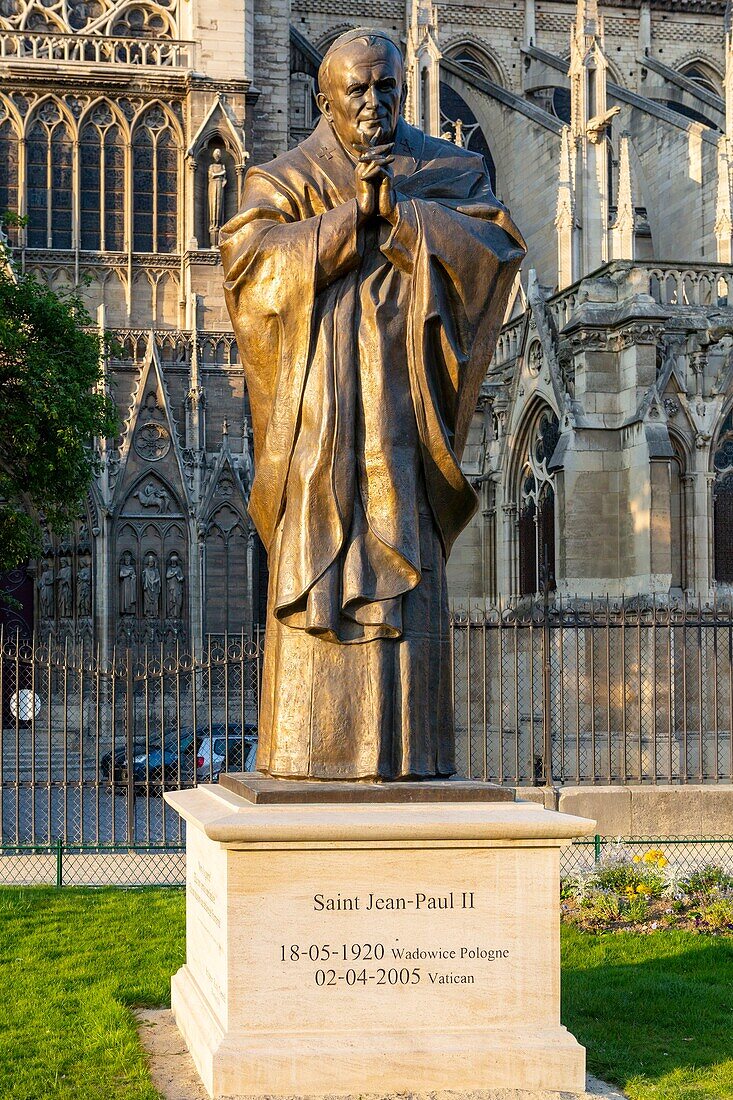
686	854
165	865
92	865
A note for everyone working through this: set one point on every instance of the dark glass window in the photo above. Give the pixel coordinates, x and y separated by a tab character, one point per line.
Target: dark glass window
102	188
9	173
49	163
142	180
155	185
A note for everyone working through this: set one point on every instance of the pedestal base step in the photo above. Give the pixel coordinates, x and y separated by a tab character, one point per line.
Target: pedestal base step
355	1063
176	1078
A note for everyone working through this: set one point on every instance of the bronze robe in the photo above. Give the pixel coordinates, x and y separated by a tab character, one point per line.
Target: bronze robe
363	353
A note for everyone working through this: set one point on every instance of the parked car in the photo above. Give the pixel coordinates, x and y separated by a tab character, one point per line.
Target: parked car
171	763
221	750
120	760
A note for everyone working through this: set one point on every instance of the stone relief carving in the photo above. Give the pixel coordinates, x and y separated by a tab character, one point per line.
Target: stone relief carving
152	495
128	584
151	583
84	588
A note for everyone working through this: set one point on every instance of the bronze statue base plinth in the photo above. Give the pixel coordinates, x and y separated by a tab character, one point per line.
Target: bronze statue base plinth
346	948
264	790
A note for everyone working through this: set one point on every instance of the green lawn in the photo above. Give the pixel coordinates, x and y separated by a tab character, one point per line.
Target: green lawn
655	1011
71	964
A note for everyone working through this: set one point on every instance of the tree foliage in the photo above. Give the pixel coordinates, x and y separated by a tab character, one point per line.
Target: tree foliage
51	408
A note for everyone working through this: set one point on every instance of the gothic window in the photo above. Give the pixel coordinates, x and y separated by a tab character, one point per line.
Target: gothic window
155	185
102	183
8	172
705	78
142	21
537	509
723	504
49	156
459	123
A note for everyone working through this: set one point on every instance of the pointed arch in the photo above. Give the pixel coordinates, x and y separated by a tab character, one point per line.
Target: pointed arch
49	139
151	495
156	154
9	170
531	485
678	517
477	56
102	150
227	542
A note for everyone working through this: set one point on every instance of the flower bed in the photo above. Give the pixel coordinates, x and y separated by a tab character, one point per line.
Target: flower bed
646	893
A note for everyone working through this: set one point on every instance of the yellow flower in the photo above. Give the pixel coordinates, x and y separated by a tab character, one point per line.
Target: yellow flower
662	862
653	855
637	859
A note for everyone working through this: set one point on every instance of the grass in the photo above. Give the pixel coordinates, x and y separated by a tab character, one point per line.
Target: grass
72	962
655	1011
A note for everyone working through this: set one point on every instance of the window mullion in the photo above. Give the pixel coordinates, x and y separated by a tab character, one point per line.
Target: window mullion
49	189
102	243
155	193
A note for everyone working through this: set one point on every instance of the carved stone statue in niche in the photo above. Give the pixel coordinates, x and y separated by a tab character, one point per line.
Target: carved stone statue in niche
65	589
128	584
84	588
151	587
217	183
174	581
45	589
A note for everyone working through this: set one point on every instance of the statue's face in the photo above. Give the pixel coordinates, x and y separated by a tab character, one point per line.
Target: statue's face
366	90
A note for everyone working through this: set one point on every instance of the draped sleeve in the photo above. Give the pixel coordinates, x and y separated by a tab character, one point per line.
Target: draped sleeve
462	252
275	261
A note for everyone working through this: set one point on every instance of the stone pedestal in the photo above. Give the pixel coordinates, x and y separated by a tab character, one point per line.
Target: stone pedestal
373	947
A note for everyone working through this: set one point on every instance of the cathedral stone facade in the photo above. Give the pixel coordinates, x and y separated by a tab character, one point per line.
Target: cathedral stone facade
602	448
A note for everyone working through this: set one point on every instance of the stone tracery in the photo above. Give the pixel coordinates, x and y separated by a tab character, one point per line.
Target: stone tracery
69	136
118	17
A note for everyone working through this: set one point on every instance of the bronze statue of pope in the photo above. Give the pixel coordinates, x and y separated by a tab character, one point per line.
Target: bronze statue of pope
367	275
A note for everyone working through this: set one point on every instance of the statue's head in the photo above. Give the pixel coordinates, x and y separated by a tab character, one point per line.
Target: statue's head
362	87
216	156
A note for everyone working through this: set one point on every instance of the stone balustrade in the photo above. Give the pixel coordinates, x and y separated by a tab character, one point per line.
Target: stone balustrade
97	49
706	286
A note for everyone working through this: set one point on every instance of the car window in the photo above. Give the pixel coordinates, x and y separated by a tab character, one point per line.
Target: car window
219	746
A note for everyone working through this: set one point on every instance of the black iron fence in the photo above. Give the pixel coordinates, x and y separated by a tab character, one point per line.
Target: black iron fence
596	691
88	746
544	693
